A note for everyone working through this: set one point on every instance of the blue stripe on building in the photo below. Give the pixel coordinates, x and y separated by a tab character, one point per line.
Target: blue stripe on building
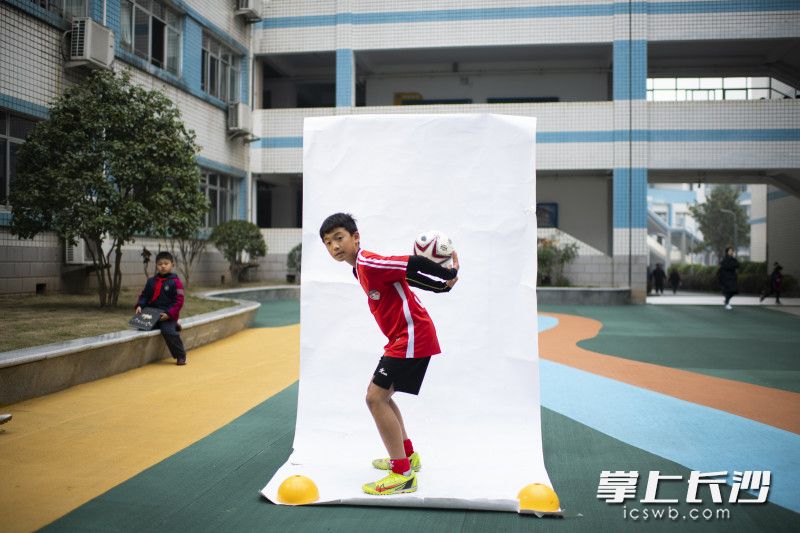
630	197
221	167
95	9
530	12
218	32
243	199
24	107
192	49
244	90
112	21
39	12
607	136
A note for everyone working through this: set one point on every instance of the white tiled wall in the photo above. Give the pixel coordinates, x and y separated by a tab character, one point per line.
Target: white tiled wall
30	57
220	13
744	25
207	121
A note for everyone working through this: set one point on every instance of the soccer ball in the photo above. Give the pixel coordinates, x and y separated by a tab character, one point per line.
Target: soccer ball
434	245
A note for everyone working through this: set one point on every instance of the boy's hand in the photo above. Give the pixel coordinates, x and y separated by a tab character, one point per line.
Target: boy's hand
164	316
453	281
138	310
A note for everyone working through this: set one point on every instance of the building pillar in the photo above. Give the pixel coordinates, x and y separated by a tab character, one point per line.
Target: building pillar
683	246
345	57
345	78
630	251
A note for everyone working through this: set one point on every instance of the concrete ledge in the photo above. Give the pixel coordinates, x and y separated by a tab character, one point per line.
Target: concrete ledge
583	295
31	372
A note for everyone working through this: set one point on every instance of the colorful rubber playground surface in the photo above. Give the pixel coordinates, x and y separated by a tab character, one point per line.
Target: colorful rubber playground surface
632	388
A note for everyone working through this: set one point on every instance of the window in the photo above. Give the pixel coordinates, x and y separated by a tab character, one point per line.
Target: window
733	88
68	9
151	30
13	131
219	71
221	191
547	215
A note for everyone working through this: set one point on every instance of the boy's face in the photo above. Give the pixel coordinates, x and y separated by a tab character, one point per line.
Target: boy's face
164	266
341	245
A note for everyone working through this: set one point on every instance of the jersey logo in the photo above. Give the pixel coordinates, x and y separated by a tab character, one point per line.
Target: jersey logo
374	295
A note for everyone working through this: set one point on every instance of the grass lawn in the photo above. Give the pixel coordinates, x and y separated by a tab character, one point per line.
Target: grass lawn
35	320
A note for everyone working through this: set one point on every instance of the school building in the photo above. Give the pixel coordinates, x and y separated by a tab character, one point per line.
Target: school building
628	95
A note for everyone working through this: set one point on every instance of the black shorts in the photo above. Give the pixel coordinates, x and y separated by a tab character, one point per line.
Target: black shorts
405	374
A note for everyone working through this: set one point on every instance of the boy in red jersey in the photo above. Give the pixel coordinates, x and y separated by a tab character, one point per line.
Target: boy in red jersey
411	334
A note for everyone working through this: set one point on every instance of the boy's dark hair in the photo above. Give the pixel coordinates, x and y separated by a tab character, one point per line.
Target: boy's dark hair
338	220
165	255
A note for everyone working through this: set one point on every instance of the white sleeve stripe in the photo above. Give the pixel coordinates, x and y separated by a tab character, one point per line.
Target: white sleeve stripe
409	320
387	267
383	261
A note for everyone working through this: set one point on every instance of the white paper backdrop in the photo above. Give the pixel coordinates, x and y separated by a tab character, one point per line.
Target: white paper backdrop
476	422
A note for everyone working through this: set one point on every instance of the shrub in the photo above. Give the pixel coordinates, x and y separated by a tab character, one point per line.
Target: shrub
294	261
237	239
552	259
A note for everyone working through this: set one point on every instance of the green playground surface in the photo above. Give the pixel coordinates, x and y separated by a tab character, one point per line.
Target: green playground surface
214	484
752	344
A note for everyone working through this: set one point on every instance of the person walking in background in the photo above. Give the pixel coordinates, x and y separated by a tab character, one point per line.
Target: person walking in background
774	284
659	276
728	279
674	279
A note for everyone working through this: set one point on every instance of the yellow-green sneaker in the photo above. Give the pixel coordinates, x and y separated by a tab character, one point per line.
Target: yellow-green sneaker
394	483
384	464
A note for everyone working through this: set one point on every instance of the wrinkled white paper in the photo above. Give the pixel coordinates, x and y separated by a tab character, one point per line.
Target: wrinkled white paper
476	422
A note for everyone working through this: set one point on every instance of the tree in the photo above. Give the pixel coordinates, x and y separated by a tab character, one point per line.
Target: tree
187	249
717	225
239	241
113	161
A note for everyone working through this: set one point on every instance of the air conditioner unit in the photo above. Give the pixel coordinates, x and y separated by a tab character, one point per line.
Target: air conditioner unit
91	44
77	254
239	119
251	10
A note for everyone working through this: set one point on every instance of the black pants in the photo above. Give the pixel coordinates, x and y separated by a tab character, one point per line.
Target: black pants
659	287
172	338
770	293
728	296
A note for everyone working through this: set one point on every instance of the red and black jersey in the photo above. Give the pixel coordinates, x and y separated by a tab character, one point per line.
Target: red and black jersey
165	293
396	308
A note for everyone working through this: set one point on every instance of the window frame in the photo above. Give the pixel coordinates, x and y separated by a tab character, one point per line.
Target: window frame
57	7
225	191
156	12
226	65
7	140
718	88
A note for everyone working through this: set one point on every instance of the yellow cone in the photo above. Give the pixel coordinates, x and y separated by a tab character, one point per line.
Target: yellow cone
297	490
538	498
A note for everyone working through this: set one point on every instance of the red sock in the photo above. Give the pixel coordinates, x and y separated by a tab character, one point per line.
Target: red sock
400	466
409	447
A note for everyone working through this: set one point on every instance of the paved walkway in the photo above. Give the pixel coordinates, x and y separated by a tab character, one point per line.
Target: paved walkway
704	298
